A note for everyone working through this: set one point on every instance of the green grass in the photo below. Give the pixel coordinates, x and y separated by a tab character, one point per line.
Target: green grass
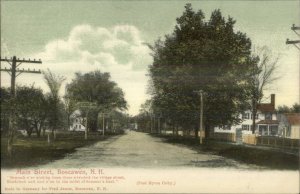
268	158
31	151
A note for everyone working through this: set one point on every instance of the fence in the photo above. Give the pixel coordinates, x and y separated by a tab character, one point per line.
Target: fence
224	136
278	142
259	140
249	139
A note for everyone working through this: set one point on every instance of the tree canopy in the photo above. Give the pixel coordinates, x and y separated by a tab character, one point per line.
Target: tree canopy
97	87
201	55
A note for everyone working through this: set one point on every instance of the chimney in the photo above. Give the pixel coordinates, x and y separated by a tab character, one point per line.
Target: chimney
273	100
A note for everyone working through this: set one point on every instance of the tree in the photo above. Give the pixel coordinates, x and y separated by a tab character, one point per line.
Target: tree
296	108
54	83
96	87
31	109
5	108
261	77
70	107
201	55
283	109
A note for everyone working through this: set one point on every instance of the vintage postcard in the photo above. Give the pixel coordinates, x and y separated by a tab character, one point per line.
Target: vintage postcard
149	96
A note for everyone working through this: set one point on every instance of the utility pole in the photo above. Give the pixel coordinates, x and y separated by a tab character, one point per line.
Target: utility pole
14	72
151	123
201	115
296	43
158	123
103	123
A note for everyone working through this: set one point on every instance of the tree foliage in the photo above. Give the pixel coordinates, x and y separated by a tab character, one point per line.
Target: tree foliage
5	108
31	108
201	55
285	109
97	87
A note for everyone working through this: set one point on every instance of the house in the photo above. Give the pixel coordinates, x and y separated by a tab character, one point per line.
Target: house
289	125
77	121
265	119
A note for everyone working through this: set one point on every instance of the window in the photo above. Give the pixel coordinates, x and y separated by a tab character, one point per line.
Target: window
273	130
245	127
263	130
79	126
245	116
268	116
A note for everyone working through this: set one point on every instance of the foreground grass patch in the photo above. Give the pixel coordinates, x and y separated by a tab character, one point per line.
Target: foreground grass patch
31	151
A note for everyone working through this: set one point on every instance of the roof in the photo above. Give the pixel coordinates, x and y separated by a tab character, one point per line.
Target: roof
293	118
266	107
268	122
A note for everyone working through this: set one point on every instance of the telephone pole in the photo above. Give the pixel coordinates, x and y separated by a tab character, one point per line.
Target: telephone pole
103	123
296	43
14	72
200	92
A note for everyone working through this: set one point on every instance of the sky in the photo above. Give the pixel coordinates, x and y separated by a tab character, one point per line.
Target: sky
81	36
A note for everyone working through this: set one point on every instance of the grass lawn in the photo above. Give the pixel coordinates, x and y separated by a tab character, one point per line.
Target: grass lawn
31	151
269	158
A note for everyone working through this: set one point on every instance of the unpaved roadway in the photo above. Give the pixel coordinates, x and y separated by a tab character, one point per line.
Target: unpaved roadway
136	149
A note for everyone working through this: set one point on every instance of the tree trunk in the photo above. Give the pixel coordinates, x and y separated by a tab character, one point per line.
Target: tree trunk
29	132
10	137
44	131
207	129
173	130
254	112
196	132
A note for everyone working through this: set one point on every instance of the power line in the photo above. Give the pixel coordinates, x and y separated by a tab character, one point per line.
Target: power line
15	62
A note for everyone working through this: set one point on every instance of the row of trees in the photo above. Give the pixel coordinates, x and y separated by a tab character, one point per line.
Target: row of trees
212	57
37	111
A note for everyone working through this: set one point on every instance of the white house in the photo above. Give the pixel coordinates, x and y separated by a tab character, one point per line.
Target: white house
265	119
77	121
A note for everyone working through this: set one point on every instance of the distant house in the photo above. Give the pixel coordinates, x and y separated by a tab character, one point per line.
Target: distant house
289	125
265	120
77	121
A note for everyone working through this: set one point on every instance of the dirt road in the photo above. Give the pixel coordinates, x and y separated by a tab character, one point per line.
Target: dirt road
136	149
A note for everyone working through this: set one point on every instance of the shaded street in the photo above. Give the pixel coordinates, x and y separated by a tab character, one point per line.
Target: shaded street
136	149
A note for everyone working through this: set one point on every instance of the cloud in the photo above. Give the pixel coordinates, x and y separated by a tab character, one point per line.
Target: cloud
119	45
118	50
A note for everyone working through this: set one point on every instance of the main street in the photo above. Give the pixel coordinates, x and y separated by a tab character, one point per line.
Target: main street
134	149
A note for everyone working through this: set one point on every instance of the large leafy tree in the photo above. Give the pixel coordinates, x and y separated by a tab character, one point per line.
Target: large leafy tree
201	55
96	87
31	108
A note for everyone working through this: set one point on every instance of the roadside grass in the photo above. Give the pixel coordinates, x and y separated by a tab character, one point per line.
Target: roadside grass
31	151
268	158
